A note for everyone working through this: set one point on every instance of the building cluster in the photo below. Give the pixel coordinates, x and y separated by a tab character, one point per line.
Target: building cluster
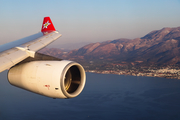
165	72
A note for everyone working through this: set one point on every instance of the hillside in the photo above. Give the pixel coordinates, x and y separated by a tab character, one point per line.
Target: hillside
159	47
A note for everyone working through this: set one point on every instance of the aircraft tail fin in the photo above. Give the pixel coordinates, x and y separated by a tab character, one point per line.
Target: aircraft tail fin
47	25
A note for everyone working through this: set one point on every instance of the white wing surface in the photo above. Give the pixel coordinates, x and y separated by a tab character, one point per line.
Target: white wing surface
16	51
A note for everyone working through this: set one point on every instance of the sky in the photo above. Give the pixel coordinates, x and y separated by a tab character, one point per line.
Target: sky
87	21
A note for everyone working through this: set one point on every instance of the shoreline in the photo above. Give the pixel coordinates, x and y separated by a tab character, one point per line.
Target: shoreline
164	73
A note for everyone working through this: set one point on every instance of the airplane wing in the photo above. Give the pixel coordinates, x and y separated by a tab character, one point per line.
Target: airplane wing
16	51
38	73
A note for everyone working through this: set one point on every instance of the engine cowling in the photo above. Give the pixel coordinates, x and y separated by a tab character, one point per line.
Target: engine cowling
56	79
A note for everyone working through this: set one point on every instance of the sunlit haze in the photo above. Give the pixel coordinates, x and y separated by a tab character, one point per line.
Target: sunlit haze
84	21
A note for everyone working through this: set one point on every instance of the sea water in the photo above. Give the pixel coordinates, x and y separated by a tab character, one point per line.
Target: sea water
105	97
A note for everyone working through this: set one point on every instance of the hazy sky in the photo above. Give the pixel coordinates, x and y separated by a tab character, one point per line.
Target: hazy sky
87	20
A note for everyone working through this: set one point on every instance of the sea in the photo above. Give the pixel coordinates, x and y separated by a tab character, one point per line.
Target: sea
105	97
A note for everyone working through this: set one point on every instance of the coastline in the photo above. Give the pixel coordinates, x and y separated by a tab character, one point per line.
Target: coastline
165	73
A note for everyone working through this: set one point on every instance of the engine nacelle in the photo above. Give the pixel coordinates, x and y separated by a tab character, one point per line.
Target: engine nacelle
56	79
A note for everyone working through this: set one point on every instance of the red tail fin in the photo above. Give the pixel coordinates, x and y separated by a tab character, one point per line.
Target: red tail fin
47	25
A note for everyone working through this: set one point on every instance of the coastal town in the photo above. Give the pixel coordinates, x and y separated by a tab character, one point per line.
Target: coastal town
168	72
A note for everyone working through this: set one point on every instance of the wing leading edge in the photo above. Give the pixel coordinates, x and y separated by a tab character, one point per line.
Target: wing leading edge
16	51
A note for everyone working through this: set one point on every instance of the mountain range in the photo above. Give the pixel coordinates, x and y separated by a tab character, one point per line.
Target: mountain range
159	47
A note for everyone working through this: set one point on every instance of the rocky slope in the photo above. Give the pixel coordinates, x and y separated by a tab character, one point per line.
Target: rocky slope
160	47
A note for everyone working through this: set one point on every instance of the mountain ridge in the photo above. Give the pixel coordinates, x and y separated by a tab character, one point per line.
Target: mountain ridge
158	47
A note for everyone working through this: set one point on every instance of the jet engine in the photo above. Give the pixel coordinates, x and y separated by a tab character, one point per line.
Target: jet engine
56	79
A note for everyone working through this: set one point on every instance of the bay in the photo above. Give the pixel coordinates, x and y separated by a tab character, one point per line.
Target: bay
105	96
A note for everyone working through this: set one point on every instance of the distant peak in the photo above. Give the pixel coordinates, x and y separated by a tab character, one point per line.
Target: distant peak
158	34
